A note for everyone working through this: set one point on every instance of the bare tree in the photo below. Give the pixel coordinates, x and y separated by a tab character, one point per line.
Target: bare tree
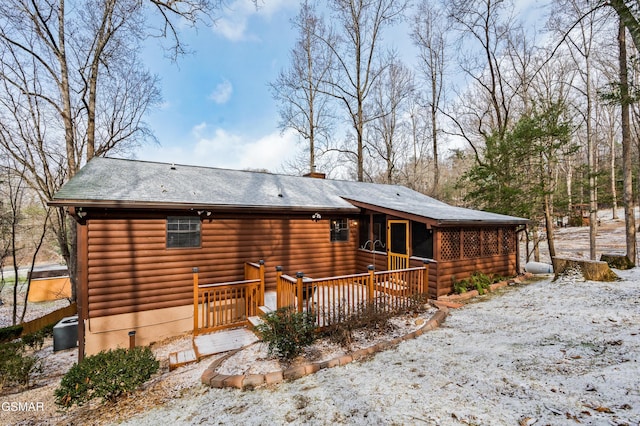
359	27
391	94
486	109
582	47
625	101
428	34
13	195
417	171
73	87
303	103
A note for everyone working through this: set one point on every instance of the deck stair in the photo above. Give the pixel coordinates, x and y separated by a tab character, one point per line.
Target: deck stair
221	341
211	344
257	320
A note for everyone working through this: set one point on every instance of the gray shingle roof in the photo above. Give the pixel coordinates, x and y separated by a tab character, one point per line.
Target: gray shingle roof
129	183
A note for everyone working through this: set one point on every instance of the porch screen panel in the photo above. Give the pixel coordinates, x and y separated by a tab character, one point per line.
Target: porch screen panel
422	240
380	231
398	238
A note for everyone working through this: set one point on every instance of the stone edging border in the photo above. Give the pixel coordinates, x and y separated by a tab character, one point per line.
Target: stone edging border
251	381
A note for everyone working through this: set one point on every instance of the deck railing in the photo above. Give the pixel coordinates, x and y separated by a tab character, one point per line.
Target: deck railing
335	299
223	305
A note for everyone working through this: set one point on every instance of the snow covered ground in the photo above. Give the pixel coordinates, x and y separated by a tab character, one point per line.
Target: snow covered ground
561	352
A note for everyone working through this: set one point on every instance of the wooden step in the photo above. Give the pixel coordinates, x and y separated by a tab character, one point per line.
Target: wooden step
178	359
255	321
264	310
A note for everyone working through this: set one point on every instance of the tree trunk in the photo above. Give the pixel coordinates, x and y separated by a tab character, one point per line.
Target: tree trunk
628	19
434	135
614	192
627	166
548	220
591	170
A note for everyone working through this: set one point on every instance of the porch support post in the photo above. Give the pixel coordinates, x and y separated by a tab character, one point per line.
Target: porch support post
261	296
299	276
195	300
372	277
425	281
279	289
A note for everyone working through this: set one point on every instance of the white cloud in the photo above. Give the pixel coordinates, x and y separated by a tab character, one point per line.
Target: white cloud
270	151
199	129
235	151
218	147
222	93
232	27
233	24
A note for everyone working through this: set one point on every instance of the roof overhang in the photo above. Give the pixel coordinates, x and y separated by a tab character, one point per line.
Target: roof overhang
226	208
435	221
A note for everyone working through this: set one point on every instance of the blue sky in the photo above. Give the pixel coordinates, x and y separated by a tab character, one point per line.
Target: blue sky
217	107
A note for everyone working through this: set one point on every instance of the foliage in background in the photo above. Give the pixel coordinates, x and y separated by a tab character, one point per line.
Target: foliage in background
106	375
518	168
287	332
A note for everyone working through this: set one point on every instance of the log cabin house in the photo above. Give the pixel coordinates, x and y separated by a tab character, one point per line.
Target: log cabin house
143	227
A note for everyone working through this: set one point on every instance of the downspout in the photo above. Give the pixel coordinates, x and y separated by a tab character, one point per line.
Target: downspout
82	290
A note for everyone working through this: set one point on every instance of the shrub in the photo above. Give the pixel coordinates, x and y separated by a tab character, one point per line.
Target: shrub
106	375
460	287
287	332
478	281
8	334
16	367
35	340
367	318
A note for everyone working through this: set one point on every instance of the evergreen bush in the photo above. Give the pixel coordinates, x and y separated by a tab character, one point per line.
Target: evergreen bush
16	367
36	340
106	375
10	333
287	332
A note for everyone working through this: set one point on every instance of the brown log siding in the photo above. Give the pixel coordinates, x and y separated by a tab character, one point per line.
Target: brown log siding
366	258
130	269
